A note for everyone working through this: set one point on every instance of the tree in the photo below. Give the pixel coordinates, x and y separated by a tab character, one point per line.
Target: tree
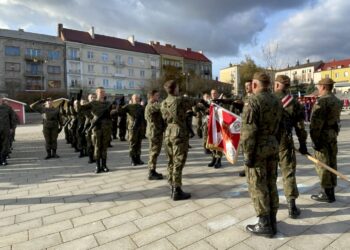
310	88
270	55
247	70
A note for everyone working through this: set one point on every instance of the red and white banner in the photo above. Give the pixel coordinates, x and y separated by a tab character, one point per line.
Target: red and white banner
224	131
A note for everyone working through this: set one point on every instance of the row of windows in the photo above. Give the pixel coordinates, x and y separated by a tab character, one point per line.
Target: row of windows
39	84
119	84
105	70
16	51
32	67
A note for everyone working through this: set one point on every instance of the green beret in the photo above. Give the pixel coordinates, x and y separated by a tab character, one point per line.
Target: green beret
262	77
283	79
326	81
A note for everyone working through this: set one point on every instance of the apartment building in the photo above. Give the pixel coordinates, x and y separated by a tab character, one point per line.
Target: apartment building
121	66
301	73
338	70
30	63
231	75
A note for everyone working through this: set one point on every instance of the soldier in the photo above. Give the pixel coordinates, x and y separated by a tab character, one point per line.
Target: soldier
199	117
205	117
216	155
101	127
6	128
81	139
249	92
260	124
52	124
293	117
154	132
114	123
135	122
88	132
122	121
324	129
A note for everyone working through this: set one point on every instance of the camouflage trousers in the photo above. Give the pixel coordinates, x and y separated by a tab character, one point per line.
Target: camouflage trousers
101	137
262	185
176	150
135	139
327	155
216	154
205	134
89	143
50	135
4	141
122	127
155	145
287	163
199	127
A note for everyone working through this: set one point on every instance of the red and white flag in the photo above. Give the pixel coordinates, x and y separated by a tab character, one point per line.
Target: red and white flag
224	131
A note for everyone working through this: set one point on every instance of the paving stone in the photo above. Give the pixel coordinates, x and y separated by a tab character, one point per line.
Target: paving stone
11	239
188	220
20	227
82	231
152	220
90	218
126	207
203	245
116	233
120	219
39	243
188	236
87	242
214	210
183	209
226	238
159	245
155	208
34	215
310	240
61	216
49	229
151	234
125	244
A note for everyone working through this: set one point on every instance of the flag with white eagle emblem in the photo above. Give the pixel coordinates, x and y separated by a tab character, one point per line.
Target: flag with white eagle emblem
224	130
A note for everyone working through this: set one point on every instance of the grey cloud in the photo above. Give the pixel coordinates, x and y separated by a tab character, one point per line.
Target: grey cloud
217	27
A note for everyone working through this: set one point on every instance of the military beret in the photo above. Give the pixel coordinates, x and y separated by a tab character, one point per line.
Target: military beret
262	77
283	79
326	81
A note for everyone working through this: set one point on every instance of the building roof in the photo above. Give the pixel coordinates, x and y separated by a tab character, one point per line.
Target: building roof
345	63
105	41
316	65
166	49
23	35
189	54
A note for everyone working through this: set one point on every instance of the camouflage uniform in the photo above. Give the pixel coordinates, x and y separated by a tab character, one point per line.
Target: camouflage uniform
324	129
260	124
51	123
135	121
154	132
176	135
293	117
88	136
6	124
122	121
199	117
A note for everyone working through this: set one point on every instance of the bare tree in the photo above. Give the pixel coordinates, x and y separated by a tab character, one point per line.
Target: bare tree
270	56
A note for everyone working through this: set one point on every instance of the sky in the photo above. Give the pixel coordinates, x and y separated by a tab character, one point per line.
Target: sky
225	30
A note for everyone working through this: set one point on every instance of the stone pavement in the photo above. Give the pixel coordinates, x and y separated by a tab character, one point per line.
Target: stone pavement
62	204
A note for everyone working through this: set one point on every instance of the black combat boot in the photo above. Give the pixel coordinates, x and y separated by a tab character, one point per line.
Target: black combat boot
293	211
98	166
54	155
218	163
153	175
213	161
91	157
262	228
207	151
138	160
48	154
133	161
178	194
273	220
331	194
81	154
241	173
104	166
1	159
325	196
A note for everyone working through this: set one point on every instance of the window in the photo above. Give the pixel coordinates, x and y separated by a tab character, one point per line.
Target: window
105	83
346	73
90	54
105	69
33	68
104	57
154	63
91	68
142	62
336	75
91	82
12	51
74	83
53	55
326	75
33	52
131	84
142	73
131	72
54	84
130	60
12	66
34	84
53	69
118	84
73	54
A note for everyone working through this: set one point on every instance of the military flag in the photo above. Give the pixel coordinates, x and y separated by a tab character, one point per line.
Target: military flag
224	130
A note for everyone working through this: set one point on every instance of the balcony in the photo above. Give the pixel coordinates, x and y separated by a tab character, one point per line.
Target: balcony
119	75
119	63
206	72
34	58
74	71
33	74
74	58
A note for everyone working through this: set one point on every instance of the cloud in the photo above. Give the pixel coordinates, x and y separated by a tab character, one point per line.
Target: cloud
219	28
319	31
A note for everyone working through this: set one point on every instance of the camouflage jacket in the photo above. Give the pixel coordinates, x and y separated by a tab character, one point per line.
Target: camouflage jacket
135	115
261	120
325	119
293	117
51	116
100	112
155	122
7	117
